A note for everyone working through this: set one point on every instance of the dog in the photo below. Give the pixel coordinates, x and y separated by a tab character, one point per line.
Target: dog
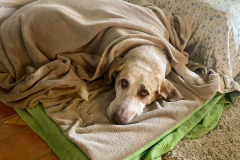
140	80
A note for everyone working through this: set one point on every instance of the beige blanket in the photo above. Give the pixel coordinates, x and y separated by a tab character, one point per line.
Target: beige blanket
50	49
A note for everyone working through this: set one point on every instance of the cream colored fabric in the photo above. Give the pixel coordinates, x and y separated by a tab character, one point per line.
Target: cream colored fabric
49	49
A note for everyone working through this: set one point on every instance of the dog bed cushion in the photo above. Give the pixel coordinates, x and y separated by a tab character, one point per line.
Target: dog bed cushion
195	125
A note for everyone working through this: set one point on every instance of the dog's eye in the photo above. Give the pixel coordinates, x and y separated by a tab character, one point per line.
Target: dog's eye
124	83
143	93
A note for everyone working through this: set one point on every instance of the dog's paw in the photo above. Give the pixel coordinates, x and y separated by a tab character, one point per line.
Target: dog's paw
83	92
194	79
188	75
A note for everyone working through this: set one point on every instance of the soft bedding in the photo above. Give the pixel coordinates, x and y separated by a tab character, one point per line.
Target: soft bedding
215	39
222	86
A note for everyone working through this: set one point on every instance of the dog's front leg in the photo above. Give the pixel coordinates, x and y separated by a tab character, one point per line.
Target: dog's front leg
187	74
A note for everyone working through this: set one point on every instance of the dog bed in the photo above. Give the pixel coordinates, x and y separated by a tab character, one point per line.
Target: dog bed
191	126
136	154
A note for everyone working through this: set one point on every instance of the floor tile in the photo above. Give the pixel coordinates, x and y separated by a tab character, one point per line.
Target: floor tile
6	112
50	156
21	122
25	145
12	120
7	130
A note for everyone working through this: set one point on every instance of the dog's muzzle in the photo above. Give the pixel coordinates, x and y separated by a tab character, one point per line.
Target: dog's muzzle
126	112
122	116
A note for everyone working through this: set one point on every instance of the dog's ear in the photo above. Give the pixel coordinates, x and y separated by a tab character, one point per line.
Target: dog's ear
169	92
115	67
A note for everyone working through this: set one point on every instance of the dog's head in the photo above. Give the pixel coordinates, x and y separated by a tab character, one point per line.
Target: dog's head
138	84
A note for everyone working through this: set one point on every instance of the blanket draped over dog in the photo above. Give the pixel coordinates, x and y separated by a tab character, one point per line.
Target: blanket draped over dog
49	50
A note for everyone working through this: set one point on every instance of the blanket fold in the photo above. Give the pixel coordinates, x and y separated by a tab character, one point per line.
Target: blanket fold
50	50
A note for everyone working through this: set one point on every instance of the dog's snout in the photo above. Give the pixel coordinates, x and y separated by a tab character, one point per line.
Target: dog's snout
119	118
125	112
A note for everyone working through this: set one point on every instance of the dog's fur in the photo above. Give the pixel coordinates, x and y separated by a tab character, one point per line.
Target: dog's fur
140	79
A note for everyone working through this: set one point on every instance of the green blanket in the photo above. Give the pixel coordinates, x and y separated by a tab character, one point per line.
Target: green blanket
195	125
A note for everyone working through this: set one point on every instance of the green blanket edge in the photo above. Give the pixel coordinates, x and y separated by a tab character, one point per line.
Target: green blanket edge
198	123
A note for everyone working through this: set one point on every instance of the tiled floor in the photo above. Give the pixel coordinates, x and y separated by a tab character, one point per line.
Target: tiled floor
18	141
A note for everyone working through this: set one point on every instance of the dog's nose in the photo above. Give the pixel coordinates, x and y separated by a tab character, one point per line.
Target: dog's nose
119	119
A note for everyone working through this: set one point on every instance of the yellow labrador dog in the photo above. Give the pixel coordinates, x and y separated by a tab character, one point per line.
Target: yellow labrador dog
140	79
